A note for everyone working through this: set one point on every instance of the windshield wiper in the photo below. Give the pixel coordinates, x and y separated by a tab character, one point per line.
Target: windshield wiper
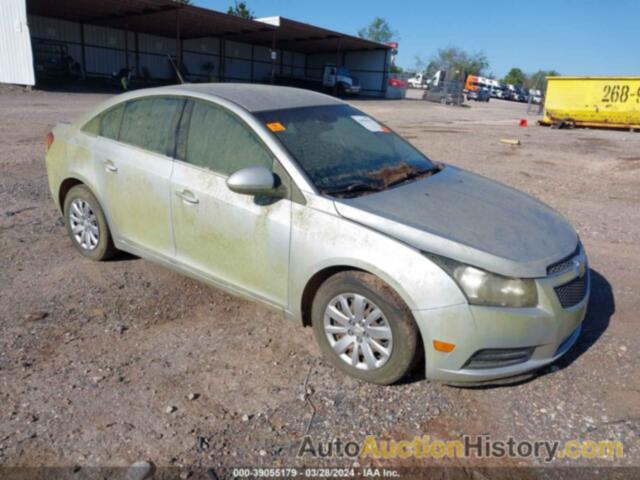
413	174
353	189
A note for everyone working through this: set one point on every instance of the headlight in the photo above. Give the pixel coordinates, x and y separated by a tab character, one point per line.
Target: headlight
485	288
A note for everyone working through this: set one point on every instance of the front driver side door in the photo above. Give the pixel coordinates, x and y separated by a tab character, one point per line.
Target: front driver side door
238	241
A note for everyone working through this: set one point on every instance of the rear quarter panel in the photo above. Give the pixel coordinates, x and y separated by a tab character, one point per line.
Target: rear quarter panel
71	156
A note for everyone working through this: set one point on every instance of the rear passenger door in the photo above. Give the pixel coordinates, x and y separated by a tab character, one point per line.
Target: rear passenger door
238	241
136	173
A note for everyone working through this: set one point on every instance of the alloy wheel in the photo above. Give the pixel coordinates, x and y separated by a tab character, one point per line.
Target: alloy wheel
84	224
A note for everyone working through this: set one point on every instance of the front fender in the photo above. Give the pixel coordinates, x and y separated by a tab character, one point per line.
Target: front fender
321	239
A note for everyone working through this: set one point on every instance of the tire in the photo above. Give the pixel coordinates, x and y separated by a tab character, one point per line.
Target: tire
396	317
97	244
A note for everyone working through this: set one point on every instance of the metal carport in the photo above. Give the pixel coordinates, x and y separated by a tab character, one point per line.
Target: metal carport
104	36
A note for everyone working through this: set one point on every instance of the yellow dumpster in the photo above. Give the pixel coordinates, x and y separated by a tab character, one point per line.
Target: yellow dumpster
593	101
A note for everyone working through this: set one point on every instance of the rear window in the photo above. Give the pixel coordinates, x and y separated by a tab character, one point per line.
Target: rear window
151	123
107	124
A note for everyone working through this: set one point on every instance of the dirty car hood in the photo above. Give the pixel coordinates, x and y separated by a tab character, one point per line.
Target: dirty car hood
471	219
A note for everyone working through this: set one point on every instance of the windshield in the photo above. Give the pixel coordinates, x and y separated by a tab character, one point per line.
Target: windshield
345	152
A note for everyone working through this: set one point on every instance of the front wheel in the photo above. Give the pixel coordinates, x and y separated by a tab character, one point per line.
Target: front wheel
364	328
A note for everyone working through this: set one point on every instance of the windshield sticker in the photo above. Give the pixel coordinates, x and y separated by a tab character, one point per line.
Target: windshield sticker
369	123
276	127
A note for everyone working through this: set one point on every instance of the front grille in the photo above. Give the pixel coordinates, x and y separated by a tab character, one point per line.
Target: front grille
563	265
498	357
560	267
573	292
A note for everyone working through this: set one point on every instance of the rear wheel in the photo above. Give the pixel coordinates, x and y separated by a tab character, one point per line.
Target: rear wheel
364	329
87	225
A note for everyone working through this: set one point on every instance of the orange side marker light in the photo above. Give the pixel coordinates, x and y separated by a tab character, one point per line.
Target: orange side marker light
443	346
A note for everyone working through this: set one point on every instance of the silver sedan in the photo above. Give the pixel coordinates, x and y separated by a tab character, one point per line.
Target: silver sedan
312	207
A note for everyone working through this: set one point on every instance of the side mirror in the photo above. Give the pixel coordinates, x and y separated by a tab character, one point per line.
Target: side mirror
253	181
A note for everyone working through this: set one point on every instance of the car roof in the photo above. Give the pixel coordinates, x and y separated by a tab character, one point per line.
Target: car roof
251	97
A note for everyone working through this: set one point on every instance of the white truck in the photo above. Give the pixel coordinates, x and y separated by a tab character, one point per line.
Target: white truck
419	80
333	78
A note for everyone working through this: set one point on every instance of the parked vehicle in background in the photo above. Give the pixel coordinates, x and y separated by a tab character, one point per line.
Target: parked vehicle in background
480	94
509	92
442	90
396	88
497	92
52	61
494	89
419	80
333	78
298	200
536	96
471	84
516	94
523	94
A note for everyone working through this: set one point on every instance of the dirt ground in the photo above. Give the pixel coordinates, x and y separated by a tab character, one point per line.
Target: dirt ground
105	364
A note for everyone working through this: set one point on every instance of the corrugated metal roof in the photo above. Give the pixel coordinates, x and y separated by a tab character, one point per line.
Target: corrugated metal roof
155	17
303	37
16	59
160	17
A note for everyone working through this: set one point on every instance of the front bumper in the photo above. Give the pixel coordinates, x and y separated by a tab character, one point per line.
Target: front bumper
548	328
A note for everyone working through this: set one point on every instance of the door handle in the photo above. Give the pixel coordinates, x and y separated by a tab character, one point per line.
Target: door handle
188	197
109	166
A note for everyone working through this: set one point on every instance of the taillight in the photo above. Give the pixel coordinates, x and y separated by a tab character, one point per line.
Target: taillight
398	83
48	140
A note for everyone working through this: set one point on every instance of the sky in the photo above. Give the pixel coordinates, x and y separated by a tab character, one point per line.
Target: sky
573	37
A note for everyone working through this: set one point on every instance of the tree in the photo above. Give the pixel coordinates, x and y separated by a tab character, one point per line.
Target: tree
240	9
379	31
538	80
515	77
458	63
420	64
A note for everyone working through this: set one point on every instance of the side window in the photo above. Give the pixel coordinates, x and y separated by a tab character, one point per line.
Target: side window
110	122
93	125
218	140
106	124
150	123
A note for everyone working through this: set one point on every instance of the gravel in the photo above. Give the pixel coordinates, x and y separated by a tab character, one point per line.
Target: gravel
152	336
